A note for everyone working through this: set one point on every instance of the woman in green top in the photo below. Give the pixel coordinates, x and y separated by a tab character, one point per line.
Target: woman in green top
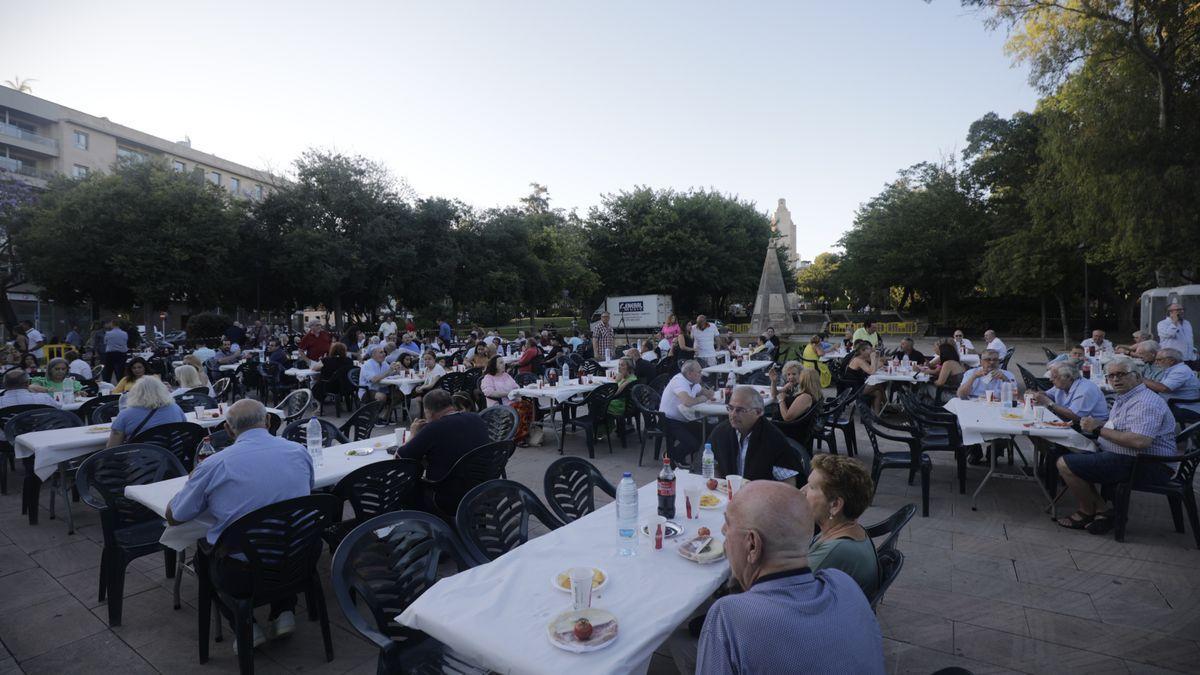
55	380
838	491
625	378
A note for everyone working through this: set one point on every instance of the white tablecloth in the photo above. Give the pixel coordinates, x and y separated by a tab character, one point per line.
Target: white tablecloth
834	355
561	392
746	368
909	378
717	408
50	448
495	615
980	421
301	372
404	384
337	464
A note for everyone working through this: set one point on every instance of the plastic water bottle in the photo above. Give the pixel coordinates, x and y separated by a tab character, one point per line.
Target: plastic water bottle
708	462
206	450
566	372
627	515
905	364
1006	394
316	447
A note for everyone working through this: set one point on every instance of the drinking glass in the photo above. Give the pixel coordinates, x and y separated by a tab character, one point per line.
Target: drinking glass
692	494
735	484
581	587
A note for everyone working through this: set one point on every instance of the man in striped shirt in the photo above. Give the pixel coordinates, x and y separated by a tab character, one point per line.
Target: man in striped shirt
1139	423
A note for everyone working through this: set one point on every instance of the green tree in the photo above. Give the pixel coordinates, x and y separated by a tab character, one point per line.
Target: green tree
819	280
15	198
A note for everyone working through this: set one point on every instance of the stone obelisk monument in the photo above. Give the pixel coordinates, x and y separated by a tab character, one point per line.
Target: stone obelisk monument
771	304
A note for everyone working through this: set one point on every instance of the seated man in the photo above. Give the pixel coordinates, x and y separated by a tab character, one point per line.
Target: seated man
995	343
962	344
682	428
789	619
908	349
1176	381
228	353
1076	356
1145	356
647	351
749	445
1072	398
1139	422
370	381
443	435
257	470
988	377
1097	343
16	391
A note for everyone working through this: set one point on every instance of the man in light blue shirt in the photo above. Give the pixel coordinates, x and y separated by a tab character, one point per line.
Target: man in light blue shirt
407	344
116	347
370	381
1176	381
988	377
1175	332
256	471
1072	397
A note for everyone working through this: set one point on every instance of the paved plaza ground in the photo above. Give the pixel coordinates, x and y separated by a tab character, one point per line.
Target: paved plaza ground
1001	589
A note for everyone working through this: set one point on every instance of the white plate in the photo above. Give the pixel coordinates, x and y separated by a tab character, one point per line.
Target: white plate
671	529
359	452
720	501
567	588
714	552
560	630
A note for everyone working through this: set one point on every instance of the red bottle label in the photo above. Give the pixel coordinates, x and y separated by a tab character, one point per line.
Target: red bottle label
666	488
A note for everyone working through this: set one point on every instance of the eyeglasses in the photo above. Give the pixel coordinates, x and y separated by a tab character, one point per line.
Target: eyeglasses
738	410
958	335
1113	376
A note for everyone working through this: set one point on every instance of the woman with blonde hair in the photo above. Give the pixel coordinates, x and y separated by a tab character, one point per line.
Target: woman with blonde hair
194	361
800	392
147	405
188	379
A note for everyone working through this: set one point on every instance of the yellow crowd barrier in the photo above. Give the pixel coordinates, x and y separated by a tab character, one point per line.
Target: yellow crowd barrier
888	328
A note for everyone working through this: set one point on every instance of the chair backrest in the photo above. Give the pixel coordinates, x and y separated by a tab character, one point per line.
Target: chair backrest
598	399
281	542
452	382
105	412
833	410
382	487
525	379
890	563
387	573
295	404
1050	355
646	400
802	428
297	431
103	477
352	375
1007	357
38	419
890	527
9	412
221	387
220	439
502	422
660	382
493	518
190	401
180	438
361	423
592	367
84	412
1031	381
758	377
569	485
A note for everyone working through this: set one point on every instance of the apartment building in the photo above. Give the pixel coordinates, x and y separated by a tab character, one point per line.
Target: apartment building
39	139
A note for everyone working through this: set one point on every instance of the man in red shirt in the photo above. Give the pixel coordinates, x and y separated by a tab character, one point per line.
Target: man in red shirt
316	342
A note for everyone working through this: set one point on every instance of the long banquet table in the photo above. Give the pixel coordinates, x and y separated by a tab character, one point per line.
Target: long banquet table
495	615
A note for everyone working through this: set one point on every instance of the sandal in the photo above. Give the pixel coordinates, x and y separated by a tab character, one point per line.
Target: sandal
1102	523
1083	522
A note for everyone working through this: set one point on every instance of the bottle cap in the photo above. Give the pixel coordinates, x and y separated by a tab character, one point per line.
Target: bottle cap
627	474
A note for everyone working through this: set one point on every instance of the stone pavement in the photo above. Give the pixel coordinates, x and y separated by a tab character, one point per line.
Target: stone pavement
1001	589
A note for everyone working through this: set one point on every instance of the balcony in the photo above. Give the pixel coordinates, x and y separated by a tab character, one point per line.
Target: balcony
47	145
24	169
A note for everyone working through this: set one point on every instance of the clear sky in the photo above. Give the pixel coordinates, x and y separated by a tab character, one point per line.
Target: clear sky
819	103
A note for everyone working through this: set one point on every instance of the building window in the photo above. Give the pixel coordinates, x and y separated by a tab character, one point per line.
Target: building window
235	185
79	171
258	192
214	177
81	140
128	155
178	166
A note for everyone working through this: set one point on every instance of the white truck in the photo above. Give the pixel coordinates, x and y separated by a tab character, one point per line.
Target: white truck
636	312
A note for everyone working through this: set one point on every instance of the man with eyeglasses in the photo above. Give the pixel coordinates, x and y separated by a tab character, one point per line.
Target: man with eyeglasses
988	377
962	344
1139	423
1175	332
748	444
1176	380
680	423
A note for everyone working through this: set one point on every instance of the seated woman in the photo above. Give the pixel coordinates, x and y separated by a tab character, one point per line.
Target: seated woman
684	347
188	379
334	365
433	372
531	358
838	491
760	345
626	378
148	405
801	390
194	361
496	383
354	342
949	370
55	380
813	351
30	364
864	361
134	371
482	356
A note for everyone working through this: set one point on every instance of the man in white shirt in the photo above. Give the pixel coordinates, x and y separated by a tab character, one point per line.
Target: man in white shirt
77	366
962	344
683	430
36	340
1097	342
1174	332
995	343
387	328
647	351
704	335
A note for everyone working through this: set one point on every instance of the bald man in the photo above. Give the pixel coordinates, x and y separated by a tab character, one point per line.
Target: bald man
788	616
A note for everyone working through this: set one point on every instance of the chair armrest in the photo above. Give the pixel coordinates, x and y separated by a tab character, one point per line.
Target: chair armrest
1146	458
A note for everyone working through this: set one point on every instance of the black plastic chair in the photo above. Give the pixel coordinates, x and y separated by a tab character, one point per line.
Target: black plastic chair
8	454
190	401
836	414
375	578
40	419
1007	357
890	527
281	545
493	518
361	423
645	400
569	485
1050	355
525	379
84	413
298	431
1032	382
660	382
375	489
502	422
475	468
105	412
939	431
182	439
295	405
221	389
912	460
803	428
130	529
891	561
1184	416
1179	490
597	415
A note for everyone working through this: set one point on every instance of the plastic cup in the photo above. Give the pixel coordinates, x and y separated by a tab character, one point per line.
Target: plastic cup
401	434
199	410
581	587
735	484
692	494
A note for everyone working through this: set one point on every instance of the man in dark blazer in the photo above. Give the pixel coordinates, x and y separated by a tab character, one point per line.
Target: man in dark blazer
749	445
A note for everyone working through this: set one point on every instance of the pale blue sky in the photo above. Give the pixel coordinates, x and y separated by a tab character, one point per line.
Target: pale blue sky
819	103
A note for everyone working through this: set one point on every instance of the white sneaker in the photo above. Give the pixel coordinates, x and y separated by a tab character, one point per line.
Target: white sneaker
260	638
284	624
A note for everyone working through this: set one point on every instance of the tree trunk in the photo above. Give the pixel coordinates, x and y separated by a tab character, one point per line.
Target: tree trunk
7	313
1043	302
1062	315
1164	99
